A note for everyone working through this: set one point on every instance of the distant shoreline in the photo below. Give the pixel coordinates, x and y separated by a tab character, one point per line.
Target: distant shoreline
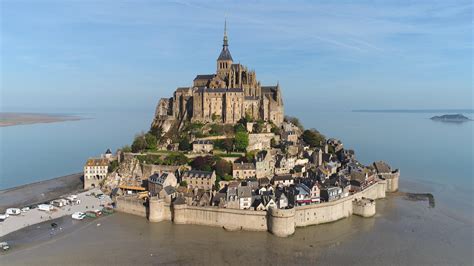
8	119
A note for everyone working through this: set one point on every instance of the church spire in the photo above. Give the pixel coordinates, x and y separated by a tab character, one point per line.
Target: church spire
225	53
226	44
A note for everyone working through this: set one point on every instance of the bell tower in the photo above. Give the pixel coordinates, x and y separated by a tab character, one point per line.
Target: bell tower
224	61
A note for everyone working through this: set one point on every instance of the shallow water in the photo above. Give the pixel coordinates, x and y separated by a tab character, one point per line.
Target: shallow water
403	232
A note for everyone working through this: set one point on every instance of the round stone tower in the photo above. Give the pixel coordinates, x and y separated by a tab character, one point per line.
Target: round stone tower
281	222
156	209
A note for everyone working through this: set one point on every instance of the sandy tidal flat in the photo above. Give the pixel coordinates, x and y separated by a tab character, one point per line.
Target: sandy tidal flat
15	119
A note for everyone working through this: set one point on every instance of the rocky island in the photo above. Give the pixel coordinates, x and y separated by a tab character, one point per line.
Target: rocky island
456	118
221	152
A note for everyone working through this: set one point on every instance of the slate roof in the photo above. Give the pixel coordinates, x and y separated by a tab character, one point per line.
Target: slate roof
97	162
244	192
205	77
225	54
197	174
243	166
382	167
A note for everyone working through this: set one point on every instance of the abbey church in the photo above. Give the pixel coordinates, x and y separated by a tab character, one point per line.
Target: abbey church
224	97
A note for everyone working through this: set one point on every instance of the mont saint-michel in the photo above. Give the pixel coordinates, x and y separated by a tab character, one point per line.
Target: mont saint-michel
222	153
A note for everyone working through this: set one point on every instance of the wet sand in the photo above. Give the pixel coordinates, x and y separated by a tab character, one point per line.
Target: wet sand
404	232
15	119
40	192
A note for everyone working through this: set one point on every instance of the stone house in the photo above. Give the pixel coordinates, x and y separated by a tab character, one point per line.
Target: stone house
243	170
315	193
289	136
260	141
264	164
385	172
282	201
95	171
157	182
168	193
283	180
199	179
203	146
317	157
244	194
302	195
331	193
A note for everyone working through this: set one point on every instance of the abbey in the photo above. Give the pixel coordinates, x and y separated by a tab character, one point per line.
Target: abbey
225	97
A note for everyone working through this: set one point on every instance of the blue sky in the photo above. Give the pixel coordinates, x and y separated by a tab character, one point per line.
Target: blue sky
346	55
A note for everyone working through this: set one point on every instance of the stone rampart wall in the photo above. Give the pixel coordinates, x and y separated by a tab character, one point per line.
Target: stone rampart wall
131	205
229	219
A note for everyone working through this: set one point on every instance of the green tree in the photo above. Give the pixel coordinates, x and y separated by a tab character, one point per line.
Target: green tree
241	141
295	121
176	158
203	163
126	148
240	128
155	131
139	143
228	145
223	168
313	138
183	183
258	127
151	141
184	144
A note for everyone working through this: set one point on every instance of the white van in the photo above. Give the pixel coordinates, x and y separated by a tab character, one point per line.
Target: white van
45	207
13	211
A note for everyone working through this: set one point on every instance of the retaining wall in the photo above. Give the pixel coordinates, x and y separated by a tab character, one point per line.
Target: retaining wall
130	205
227	218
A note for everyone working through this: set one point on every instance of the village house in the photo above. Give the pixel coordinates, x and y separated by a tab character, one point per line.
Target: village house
199	179
289	136
283	180
317	157
244	194
157	182
315	193
281	200
168	193
331	193
95	171
243	170
303	195
203	146
260	141
264	164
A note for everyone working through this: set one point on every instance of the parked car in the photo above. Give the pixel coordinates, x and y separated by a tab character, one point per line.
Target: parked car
4	246
3	217
25	209
45	207
78	215
13	211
